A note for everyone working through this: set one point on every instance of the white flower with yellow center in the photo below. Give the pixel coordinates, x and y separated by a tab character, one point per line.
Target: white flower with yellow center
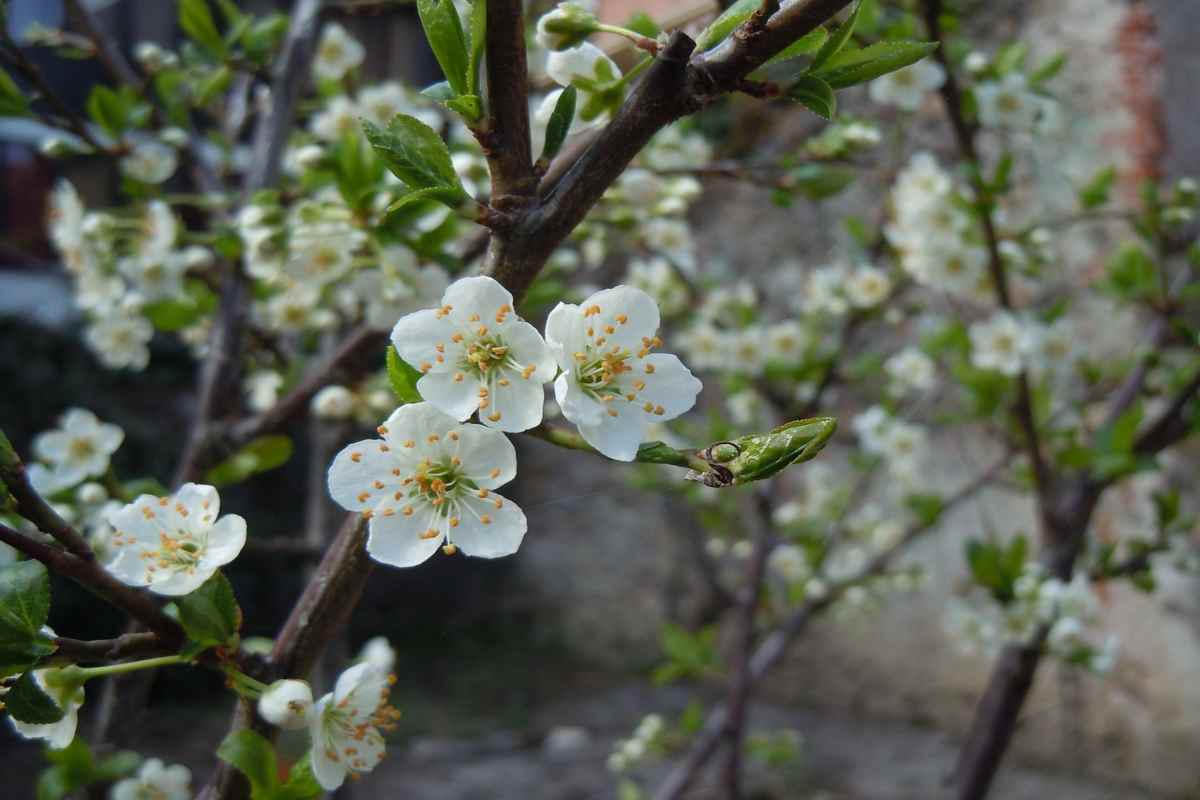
1001	343
613	385
155	781
120	338
430	481
345	724
80	447
337	53
475	353
150	162
173	544
906	88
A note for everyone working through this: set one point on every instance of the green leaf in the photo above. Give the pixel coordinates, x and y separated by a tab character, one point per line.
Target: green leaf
358	170
559	124
196	20
301	784
110	110
806	44
417	155
1095	192
837	40
441	91
260	455
12	102
443	30
723	25
478	43
252	755
468	106
857	66
927	508
1048	70
1132	273
210	615
818	181
26	702
403	377
642	23
24	606
815	95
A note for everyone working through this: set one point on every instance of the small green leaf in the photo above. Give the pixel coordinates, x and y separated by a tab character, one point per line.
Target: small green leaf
837	40
478	43
24	606
403	378
441	91
559	124
443	30
260	455
723	25
927	508
109	109
857	66
1048	70
26	702
196	20
12	102
301	784
252	755
815	95
468	106
210	615
818	181
417	155
1095	192
806	44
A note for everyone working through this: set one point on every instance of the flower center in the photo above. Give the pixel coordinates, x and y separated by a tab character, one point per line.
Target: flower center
82	447
485	354
179	552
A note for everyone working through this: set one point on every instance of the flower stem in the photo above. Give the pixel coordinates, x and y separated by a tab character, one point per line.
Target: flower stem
87	673
643	42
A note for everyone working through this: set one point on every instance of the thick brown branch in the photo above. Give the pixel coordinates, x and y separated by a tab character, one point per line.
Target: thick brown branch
34	508
106	651
506	138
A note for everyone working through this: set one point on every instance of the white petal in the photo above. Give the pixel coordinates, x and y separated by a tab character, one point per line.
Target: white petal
564	333
52	446
176	583
500	536
109	437
225	540
78	421
480	295
329	773
529	349
417	335
518	406
458	399
200	501
357	472
361	689
576	405
617	437
417	424
396	539
671	386
637	308
484	451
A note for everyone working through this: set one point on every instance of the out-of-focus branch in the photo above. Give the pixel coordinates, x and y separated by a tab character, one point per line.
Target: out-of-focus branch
1173	424
34	508
772	649
741	683
105	651
506	136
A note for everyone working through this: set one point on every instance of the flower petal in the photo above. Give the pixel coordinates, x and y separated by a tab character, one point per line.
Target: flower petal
395	539
455	398
361	475
576	405
501	533
672	386
617	437
417	335
564	333
529	349
225	540
637	308
515	407
480	295
488	457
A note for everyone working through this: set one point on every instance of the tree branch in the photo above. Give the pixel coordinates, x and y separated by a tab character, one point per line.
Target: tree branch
506	136
106	651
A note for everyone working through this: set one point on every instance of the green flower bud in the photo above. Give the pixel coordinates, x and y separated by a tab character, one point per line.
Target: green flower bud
566	26
762	455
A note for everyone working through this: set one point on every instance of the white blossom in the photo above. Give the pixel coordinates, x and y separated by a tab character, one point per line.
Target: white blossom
80	447
1000	343
155	781
566	25
333	402
1007	103
430	480
337	53
344	725
383	101
262	389
119	339
906	88
378	651
339	117
475	353
150	162
867	286
171	545
612	385
286	704
911	370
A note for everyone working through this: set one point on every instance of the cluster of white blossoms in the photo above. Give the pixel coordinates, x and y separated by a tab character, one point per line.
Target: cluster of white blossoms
902	445
1071	609
430	480
646	739
345	726
838	288
933	232
155	781
172	545
727	336
121	264
1009	343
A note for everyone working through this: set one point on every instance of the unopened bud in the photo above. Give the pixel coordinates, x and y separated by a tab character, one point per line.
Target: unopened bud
566	26
286	704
